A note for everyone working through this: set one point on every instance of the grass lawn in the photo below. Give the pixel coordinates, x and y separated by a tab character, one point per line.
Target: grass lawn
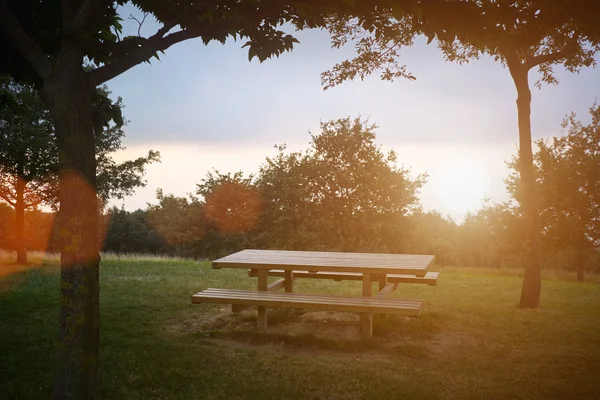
469	343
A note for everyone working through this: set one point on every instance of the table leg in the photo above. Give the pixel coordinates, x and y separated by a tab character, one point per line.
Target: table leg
262	286
382	284
289	288
289	281
367	318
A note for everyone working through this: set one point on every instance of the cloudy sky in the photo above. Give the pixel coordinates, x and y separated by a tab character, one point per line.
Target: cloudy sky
207	107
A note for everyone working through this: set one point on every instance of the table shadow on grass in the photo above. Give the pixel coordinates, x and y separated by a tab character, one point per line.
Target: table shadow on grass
326	331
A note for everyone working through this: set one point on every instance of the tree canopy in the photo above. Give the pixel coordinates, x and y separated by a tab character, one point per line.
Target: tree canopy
29	157
567	169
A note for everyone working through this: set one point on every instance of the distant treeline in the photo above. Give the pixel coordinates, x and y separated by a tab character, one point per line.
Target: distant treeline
345	194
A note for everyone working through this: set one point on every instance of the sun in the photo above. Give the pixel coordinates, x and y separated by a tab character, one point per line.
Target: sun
461	185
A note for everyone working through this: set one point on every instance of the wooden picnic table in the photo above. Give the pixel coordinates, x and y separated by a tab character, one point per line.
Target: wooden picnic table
369	265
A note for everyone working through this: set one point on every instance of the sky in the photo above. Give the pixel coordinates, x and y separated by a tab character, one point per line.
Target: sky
206	107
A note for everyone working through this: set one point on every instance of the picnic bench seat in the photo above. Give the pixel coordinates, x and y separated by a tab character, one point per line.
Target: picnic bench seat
430	278
310	301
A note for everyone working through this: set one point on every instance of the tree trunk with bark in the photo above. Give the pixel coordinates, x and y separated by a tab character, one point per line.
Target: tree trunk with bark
20	244
68	96
532	279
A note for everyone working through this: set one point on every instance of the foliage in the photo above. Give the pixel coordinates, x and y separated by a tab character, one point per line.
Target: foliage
178	220
29	156
515	33
567	176
343	193
131	232
28	153
432	233
95	27
230	202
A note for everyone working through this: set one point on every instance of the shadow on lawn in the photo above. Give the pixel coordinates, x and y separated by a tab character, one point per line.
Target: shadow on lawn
321	331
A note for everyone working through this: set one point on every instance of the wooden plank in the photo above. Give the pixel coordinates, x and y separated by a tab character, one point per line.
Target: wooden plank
275	286
382	282
325	258
309	301
289	281
367	287
308	297
328	261
375	301
430	278
262	310
367	317
387	289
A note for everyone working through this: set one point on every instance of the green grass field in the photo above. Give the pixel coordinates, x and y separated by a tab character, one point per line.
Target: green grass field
470	342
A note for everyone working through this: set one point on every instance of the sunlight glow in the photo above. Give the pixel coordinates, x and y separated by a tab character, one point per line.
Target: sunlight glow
461	185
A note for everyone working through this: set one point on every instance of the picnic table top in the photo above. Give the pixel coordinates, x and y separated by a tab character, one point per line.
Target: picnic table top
373	263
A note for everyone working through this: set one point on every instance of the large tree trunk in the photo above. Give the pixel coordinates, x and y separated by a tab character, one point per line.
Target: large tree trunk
532	279
20	244
69	101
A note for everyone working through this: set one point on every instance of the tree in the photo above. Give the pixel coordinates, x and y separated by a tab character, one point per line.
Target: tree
432	233
27	156
177	220
492	236
232	207
516	33
230	201
284	187
131	232
343	193
29	159
567	170
47	43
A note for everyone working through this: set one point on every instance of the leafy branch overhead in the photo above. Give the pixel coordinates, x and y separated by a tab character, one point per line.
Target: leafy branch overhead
29	153
516	33
96	27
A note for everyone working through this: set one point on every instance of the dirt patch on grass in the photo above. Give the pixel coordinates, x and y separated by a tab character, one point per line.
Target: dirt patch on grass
315	333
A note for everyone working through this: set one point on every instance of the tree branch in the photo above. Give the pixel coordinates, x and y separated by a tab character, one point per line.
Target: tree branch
546	58
150	47
33	203
11	26
140	23
4	197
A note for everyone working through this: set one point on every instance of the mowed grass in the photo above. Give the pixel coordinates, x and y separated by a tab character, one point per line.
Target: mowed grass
469	343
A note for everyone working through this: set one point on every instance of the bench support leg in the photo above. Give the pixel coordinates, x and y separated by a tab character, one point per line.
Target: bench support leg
289	281
289	287
366	319
262	286
382	282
